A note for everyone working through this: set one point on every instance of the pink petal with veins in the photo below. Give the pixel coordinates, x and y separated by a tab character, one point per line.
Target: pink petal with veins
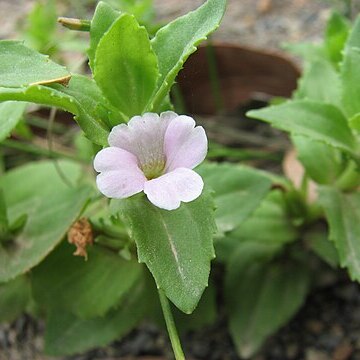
143	136
113	158
120	184
184	145
167	191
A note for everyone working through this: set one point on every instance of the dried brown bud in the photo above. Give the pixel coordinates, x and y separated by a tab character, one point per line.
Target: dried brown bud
80	234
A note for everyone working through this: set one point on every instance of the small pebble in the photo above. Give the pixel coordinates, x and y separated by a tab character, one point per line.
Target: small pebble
315	326
314	354
292	351
343	351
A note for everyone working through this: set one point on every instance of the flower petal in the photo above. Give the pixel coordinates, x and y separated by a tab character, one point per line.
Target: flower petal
113	158
167	191
143	136
119	184
168	116
185	145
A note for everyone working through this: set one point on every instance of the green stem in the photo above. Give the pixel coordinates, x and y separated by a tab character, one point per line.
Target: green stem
41	123
350	178
2	163
348	9
214	77
33	149
170	324
179	101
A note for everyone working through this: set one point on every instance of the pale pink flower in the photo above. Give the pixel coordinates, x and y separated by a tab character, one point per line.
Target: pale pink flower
154	154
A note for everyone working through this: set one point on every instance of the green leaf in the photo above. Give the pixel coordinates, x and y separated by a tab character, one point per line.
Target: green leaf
261	297
238	192
175	245
175	42
41	26
91	101
316	120
4	221
350	75
337	31
166	105
326	166
246	254
14	297
320	82
307	51
126	67
355	122
50	207
319	243
79	98
103	18
23	130
85	149
354	37
350	72
39	94
143	10
22	66
60	98
10	114
66	334
343	215
268	225
84	288
86	92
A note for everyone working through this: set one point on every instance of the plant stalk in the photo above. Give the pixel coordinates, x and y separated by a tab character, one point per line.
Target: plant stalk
33	149
214	77
170	324
75	24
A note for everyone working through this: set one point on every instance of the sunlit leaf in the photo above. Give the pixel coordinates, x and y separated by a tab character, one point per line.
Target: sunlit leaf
11	113
50	206
320	82
103	18
238	192
22	66
176	245
267	226
326	166
67	334
85	288
125	66
337	31
60	97
343	214
350	74
316	120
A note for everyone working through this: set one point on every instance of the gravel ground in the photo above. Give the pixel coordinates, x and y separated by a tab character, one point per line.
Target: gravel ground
11	12
259	23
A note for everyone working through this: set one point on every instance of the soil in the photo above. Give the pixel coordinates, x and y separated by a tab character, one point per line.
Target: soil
326	328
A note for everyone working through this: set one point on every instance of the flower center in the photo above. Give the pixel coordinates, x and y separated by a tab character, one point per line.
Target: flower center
153	169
